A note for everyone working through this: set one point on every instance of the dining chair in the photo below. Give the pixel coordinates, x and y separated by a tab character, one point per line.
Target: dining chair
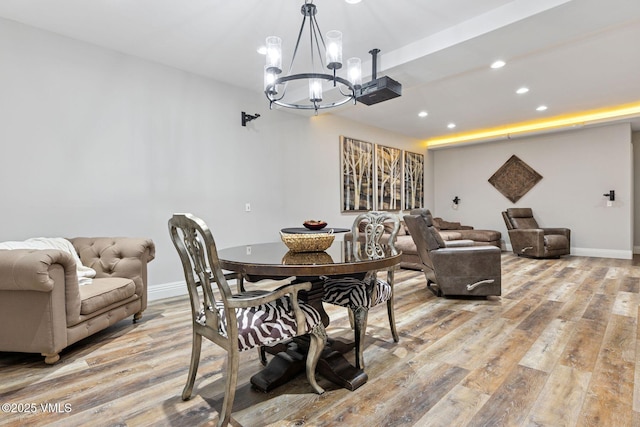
359	295
241	321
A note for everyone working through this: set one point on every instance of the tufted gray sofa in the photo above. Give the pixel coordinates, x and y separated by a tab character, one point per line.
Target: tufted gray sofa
44	310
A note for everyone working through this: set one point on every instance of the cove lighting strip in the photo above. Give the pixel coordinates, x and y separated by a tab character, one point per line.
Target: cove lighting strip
554	123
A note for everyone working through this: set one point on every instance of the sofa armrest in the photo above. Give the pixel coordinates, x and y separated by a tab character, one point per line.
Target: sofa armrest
38	295
528	241
557	230
31	270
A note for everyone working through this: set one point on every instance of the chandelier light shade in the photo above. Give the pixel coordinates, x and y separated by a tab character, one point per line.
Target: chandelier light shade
274	55
354	68
322	56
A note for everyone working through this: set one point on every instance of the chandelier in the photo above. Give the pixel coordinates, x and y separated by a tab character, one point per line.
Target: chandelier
275	86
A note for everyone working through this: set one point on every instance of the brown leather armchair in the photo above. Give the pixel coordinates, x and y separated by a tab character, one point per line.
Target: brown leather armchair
528	239
458	270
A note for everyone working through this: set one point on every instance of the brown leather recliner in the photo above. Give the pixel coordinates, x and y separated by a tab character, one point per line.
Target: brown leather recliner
458	270
528	239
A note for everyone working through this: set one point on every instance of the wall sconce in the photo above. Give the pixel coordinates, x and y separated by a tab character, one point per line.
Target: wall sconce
456	201
246	118
612	197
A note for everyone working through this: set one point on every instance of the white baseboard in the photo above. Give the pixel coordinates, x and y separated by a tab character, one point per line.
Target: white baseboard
173	289
602	253
597	253
166	290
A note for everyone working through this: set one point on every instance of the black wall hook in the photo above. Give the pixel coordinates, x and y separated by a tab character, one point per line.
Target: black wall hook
246	118
611	195
456	200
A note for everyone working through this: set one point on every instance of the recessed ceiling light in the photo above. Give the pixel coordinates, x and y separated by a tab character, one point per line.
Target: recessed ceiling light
451	125
498	64
522	90
423	114
541	108
262	50
353	1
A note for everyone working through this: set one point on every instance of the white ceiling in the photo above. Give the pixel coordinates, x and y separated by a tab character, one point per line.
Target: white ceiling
574	55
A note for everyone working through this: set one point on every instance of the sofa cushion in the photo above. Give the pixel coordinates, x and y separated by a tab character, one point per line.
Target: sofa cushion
103	292
482	235
450	235
406	245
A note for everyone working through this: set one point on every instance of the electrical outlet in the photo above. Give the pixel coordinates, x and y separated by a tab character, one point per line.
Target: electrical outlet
247	207
248	250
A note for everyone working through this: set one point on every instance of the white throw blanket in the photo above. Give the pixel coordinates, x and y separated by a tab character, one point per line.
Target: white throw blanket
85	274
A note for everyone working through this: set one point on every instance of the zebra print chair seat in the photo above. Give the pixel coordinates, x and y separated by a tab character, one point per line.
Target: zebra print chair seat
265	324
238	322
350	292
359	295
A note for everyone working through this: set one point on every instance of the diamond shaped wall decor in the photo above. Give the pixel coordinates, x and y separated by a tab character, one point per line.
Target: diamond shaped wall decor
514	179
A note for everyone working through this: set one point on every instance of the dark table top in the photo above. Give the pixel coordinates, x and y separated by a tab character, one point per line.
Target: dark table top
275	259
304	230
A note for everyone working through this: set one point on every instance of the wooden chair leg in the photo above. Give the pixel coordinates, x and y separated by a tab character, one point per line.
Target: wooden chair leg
262	351
318	337
392	319
360	315
233	359
193	366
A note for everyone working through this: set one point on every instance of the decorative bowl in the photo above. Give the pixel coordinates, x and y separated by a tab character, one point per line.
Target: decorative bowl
313	224
316	242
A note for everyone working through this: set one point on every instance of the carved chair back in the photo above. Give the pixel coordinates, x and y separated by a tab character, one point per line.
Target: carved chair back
373	225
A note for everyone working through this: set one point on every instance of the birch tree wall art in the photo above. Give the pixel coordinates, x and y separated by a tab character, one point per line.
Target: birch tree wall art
413	180
388	178
357	175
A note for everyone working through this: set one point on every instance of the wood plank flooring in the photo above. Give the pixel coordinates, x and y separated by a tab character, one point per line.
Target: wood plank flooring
559	348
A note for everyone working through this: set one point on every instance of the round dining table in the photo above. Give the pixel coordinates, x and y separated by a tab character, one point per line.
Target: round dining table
274	260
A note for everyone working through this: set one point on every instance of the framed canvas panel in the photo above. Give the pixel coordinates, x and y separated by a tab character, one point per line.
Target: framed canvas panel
413	190
388	164
356	172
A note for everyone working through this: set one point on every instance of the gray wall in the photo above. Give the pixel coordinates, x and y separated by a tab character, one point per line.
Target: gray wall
577	166
635	137
97	143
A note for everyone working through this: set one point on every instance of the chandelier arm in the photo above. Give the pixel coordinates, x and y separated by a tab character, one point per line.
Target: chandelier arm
346	94
272	98
318	36
295	50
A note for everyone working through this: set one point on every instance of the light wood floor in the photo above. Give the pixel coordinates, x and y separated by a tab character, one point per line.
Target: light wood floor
559	348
